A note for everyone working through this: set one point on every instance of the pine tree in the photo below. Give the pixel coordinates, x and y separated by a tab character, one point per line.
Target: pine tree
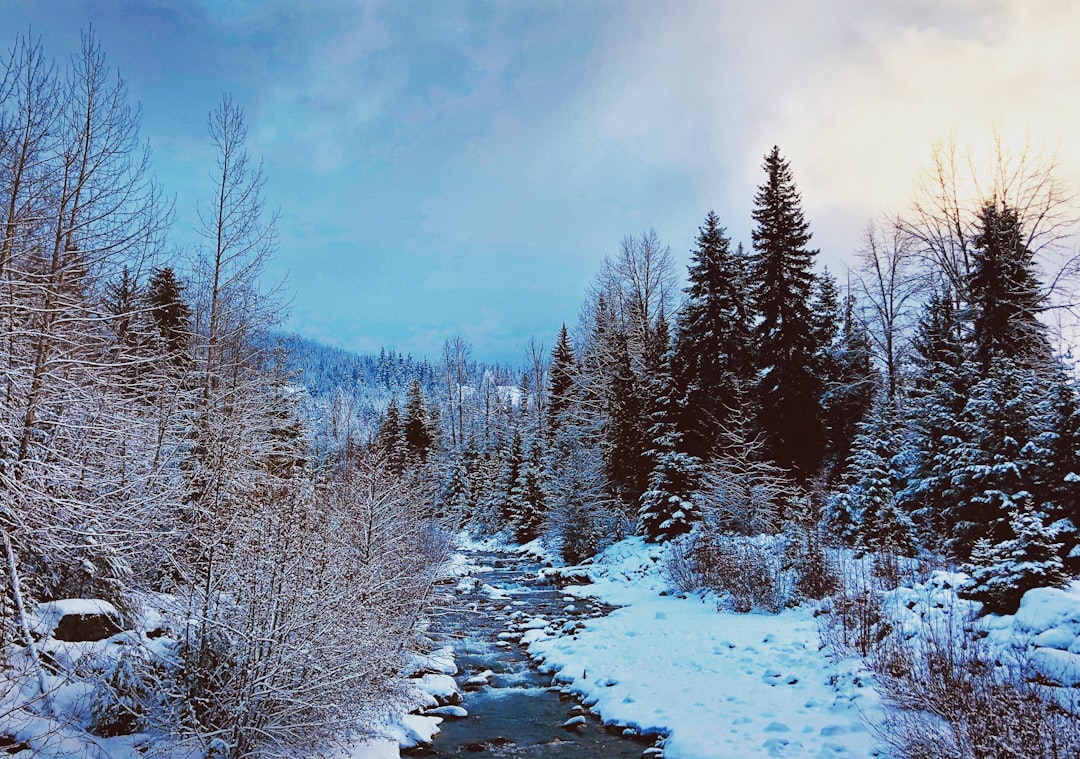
1004	291
667	508
1002	572
418	430
560	385
165	299
712	345
787	340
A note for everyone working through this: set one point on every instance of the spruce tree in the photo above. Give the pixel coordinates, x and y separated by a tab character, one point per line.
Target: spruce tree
1002	572
1004	291
866	511
712	344
625	442
939	392
390	439
418	429
787	339
165	299
667	507
560	385
992	464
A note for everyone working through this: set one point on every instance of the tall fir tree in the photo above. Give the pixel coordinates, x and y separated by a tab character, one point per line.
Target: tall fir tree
667	507
787	338
625	442
165	298
1004	291
418	429
560	385
712	346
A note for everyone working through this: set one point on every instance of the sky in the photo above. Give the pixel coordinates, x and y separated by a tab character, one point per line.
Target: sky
449	168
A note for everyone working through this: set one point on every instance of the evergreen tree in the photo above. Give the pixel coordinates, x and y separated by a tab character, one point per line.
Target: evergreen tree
850	384
712	346
626	463
787	338
825	310
938	395
390	438
122	300
1060	488
509	494
992	467
1004	291
528	504
866	512
560	385
1002	572
418	429
165	299
667	508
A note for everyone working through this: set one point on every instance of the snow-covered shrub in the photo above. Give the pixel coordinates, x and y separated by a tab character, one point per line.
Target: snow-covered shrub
119	700
746	573
814	574
850	620
1002	573
952	697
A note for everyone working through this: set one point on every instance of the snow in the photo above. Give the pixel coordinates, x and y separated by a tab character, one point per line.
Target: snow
717	684
1044	632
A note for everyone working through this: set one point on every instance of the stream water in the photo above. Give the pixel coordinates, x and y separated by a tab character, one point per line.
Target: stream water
513	709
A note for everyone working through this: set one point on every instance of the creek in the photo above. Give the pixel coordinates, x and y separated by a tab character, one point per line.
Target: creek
514	709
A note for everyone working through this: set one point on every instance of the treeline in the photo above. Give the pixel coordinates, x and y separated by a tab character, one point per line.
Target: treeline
152	453
918	407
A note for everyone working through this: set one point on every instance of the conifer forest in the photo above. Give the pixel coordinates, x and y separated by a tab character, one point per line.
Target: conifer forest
272	530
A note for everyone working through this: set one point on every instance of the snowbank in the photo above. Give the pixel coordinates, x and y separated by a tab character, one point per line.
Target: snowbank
1044	632
717	684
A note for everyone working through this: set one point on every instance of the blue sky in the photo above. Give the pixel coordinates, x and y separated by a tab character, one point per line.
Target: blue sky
449	168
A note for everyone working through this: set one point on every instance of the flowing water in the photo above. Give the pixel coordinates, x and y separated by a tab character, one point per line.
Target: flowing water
516	711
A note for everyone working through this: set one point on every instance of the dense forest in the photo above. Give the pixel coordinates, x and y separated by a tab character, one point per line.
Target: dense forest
276	511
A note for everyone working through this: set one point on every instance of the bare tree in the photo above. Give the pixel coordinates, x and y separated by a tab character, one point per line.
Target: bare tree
943	216
889	283
456	352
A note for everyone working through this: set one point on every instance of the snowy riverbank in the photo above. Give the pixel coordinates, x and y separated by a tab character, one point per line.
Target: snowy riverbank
717	684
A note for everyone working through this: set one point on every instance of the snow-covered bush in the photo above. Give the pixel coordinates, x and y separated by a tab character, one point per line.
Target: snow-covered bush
953	697
120	698
746	573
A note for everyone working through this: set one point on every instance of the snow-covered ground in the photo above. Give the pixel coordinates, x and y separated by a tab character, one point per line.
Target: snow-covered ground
721	684
718	684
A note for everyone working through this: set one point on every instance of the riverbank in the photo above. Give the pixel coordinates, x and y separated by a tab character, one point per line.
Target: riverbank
715	683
